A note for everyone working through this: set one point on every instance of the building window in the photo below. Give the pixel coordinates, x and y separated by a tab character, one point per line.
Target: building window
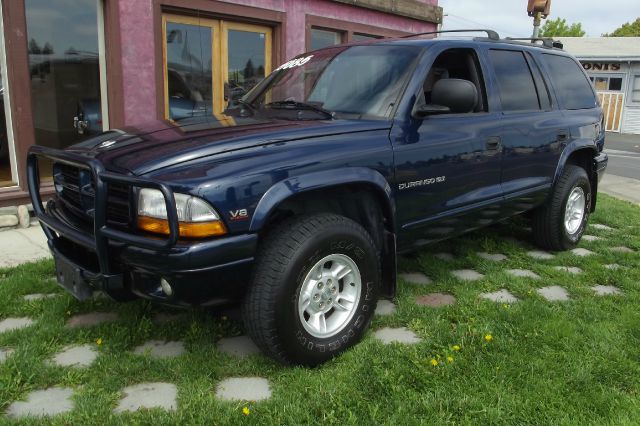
8	172
606	83
64	66
324	38
208	63
635	89
364	37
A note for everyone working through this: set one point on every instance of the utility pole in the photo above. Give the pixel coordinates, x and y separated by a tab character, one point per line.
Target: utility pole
538	9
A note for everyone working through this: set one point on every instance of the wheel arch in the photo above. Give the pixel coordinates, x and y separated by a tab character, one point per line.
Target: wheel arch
580	153
361	194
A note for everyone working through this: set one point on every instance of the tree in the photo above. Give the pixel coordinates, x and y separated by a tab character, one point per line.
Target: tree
559	28
249	70
626	30
34	47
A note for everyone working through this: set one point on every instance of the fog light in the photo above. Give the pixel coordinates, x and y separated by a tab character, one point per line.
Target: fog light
166	287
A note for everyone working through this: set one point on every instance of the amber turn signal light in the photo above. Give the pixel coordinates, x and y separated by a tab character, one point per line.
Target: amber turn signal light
187	229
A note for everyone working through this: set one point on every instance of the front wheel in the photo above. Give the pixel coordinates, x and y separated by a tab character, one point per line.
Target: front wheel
560	223
314	290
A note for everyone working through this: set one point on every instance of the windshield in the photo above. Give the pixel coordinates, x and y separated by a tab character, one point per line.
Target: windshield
342	82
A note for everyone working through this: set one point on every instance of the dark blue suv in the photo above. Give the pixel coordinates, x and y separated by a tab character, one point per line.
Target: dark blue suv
297	200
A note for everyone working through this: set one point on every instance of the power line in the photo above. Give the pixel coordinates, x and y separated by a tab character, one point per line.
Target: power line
502	31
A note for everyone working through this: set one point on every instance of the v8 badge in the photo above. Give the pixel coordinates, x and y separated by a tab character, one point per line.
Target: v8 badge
241	214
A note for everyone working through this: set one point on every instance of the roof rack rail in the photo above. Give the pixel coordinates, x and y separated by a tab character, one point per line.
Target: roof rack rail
490	33
546	41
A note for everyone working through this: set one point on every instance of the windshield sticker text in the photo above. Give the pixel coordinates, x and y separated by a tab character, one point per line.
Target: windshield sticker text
294	63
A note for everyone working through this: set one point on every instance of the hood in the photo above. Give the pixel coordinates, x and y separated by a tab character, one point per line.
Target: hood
154	145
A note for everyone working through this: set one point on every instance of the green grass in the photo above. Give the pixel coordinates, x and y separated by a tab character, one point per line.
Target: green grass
575	362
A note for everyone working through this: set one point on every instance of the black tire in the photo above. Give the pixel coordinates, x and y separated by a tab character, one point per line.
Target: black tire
548	224
285	260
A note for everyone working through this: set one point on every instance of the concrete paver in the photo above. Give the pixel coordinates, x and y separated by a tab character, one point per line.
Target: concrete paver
5	353
148	395
496	257
435	300
570	269
540	255
500	296
10	324
398	335
239	346
90	319
76	356
22	245
416	278
554	293
467	274
46	402
522	273
385	307
160	349
244	389
582	252
606	290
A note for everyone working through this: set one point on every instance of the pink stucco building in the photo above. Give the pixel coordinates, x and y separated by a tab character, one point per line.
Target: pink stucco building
72	68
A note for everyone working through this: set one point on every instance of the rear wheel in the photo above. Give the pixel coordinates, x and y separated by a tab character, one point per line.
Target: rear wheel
560	223
314	290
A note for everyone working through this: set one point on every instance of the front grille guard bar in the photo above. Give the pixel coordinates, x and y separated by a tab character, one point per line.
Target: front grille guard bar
102	232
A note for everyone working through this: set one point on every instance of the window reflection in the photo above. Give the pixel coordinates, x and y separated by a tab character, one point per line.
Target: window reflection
63	65
6	178
189	73
246	59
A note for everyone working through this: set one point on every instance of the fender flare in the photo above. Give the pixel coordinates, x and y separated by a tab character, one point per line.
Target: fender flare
574	146
295	185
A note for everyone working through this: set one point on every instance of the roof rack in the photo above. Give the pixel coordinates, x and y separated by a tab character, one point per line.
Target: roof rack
490	33
546	41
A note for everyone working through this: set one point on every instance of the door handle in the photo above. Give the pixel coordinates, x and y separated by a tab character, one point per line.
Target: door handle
563	136
493	143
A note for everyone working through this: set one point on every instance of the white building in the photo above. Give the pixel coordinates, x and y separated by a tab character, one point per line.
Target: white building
613	64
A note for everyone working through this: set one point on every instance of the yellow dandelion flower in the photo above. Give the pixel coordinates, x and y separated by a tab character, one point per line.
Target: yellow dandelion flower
488	337
246	411
449	359
434	362
224	318
456	348
99	341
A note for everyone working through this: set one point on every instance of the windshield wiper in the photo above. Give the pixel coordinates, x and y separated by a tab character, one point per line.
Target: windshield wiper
245	103
291	104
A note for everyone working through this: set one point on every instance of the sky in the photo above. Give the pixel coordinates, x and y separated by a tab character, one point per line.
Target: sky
509	17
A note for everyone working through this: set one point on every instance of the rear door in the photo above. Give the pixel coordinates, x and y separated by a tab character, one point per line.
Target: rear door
532	129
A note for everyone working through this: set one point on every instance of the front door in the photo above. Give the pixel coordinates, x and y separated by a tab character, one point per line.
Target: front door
447	165
209	63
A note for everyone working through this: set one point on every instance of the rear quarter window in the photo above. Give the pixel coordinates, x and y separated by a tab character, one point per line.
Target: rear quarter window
572	86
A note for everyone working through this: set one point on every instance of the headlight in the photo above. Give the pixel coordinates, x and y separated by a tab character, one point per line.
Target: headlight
197	219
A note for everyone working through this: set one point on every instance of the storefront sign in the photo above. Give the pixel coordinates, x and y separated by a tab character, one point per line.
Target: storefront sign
596	66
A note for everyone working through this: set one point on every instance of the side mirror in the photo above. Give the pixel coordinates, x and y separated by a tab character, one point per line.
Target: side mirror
449	95
460	96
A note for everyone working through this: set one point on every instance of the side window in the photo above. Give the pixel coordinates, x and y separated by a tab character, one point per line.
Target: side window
461	64
515	82
572	87
541	86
